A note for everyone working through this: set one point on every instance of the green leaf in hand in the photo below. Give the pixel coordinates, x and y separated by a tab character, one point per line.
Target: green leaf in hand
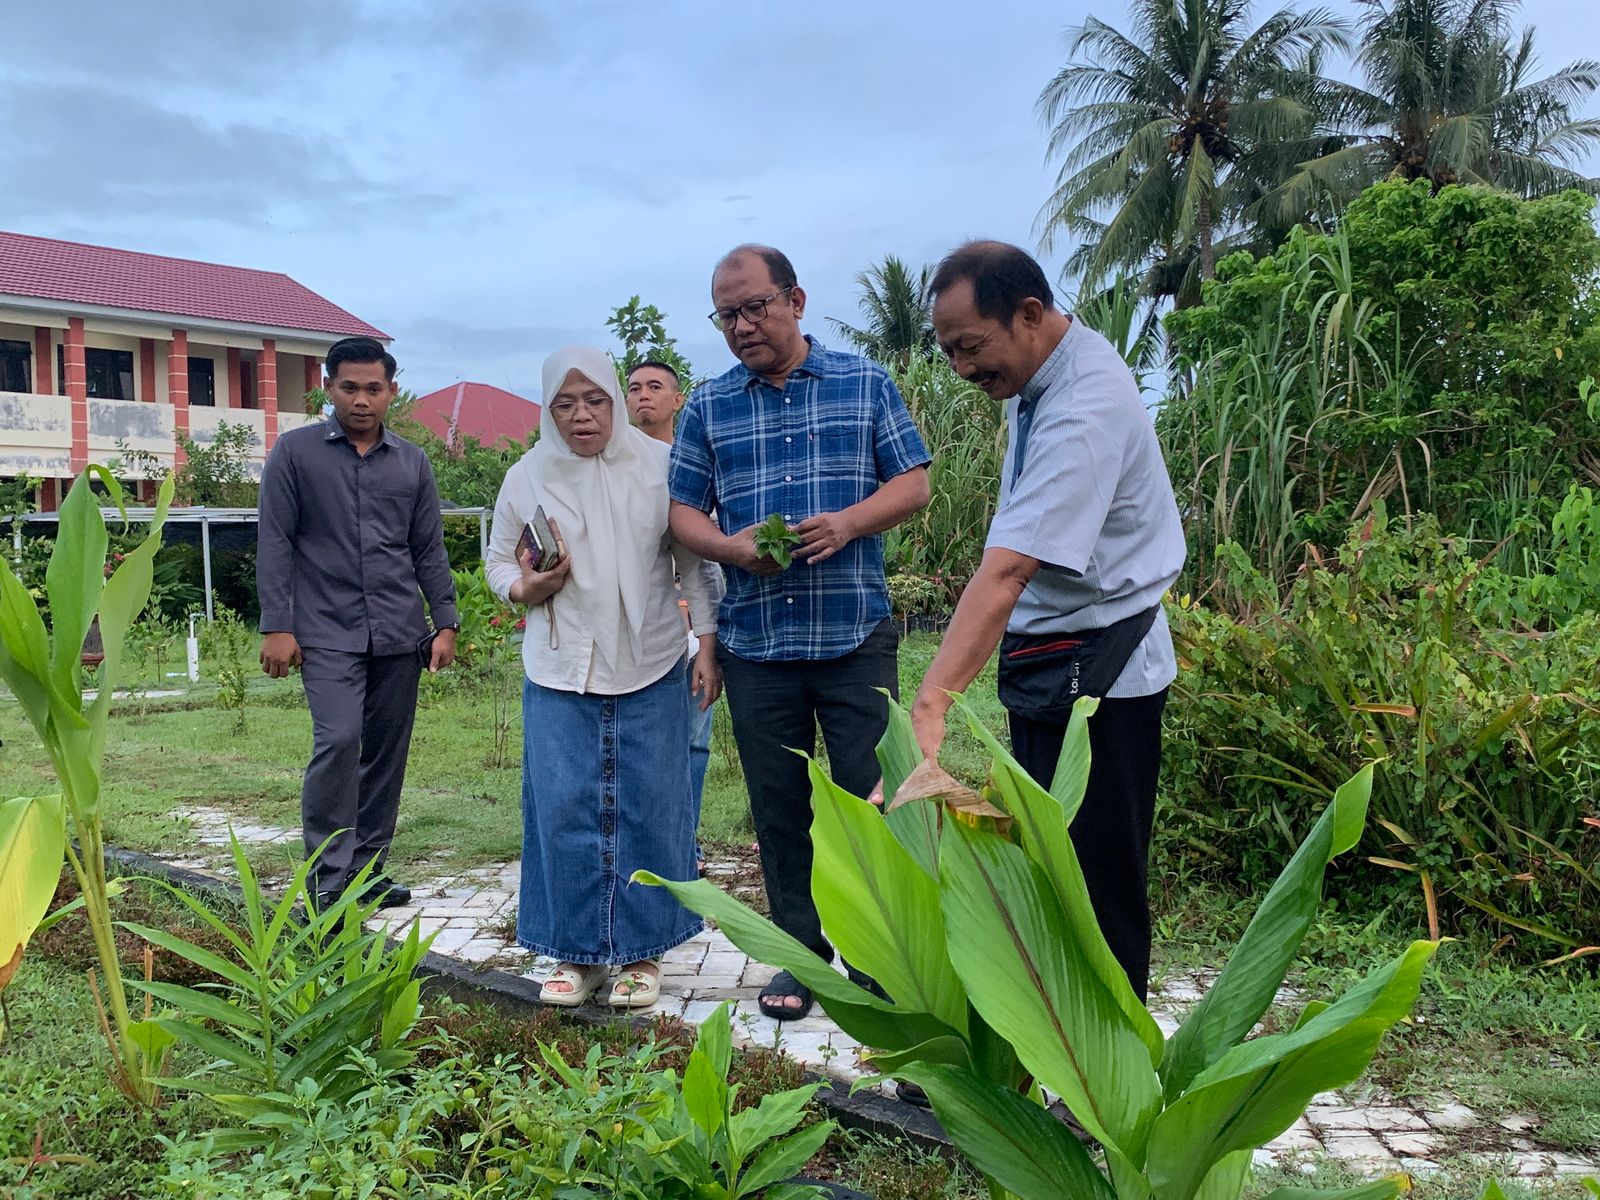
774	538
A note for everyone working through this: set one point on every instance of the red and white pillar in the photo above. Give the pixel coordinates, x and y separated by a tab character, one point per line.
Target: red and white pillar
78	392
267	389
178	390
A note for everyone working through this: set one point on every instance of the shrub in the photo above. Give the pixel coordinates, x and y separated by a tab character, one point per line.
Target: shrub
1432	350
1383	651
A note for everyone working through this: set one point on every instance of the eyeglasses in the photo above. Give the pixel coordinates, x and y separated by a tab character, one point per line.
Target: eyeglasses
592	404
754	311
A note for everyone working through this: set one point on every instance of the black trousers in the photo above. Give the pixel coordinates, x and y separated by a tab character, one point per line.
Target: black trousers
362	710
1111	832
776	709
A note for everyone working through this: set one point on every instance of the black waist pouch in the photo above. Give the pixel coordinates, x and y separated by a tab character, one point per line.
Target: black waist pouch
1043	674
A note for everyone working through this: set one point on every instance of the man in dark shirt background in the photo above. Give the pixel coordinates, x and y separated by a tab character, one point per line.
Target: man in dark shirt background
350	532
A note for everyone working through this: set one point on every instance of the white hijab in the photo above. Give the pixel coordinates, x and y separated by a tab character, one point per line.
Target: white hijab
611	507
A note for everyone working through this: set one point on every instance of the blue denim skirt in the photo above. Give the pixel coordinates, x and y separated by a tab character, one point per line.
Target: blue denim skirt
605	792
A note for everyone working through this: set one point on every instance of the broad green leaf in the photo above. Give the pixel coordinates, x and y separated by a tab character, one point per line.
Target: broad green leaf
715	1039
952	1051
1379	1189
1026	973
915	826
866	1018
1042	824
1251	976
1008	1137
33	838
153	1040
1071	780
24	650
1259	1088
878	906
705	1093
75	578
782	1159
776	1115
1226	1180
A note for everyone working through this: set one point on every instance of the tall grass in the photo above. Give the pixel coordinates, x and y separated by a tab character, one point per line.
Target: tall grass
966	434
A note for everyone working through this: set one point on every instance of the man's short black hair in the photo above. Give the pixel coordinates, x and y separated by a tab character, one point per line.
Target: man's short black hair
660	366
358	350
778	264
1002	277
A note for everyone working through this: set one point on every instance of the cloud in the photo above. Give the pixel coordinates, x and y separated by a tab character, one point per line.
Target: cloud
85	152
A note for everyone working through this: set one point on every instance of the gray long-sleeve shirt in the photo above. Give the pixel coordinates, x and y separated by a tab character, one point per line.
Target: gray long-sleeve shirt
346	540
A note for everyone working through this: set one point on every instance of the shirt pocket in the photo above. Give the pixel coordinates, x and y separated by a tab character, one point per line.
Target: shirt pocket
842	441
386	512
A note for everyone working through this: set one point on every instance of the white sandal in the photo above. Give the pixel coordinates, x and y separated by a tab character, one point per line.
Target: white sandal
638	988
584	982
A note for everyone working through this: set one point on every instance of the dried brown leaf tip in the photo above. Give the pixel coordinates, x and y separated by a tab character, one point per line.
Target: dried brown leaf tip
930	781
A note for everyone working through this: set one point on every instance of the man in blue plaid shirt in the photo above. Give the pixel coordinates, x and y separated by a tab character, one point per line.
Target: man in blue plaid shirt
823	440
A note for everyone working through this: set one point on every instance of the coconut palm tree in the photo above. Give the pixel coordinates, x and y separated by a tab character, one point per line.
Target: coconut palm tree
1156	127
1449	96
898	312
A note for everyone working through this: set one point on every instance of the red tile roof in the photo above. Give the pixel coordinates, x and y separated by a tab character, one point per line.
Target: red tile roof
46	269
477	410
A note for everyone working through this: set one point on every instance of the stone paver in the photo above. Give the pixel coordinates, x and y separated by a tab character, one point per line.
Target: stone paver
468	915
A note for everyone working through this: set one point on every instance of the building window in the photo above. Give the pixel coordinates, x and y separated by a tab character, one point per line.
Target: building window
110	373
203	382
16	359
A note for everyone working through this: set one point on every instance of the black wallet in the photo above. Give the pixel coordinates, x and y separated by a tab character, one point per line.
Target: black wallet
425	648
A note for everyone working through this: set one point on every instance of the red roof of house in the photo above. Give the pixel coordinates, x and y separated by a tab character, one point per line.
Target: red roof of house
477	410
47	269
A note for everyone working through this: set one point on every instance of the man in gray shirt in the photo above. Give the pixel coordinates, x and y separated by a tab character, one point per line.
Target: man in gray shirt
1085	542
349	532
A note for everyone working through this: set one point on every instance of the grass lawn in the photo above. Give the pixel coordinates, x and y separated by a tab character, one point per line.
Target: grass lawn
462	802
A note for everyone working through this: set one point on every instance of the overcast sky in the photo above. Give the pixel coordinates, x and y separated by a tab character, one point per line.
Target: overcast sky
487	181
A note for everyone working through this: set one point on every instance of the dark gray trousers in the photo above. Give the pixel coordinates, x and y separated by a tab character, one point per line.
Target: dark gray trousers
776	709
362	710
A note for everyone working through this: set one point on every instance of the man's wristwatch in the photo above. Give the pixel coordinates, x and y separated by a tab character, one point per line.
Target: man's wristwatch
453	627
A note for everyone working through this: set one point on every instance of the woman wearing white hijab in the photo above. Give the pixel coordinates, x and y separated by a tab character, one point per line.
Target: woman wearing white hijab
605	767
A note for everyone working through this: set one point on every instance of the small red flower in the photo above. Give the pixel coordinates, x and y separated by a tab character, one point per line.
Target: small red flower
522	623
494	622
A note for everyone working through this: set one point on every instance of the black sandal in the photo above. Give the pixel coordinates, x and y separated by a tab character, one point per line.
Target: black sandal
784	985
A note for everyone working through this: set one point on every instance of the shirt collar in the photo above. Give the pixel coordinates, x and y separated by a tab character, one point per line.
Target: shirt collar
811	366
336	431
1049	371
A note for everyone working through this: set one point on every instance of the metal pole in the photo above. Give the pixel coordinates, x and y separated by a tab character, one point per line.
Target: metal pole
205	557
16	539
483	536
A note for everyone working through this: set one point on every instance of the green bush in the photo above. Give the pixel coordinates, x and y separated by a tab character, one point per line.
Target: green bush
1385	651
1432	350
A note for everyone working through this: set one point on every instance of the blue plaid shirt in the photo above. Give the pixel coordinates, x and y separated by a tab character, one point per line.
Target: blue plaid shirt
745	449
